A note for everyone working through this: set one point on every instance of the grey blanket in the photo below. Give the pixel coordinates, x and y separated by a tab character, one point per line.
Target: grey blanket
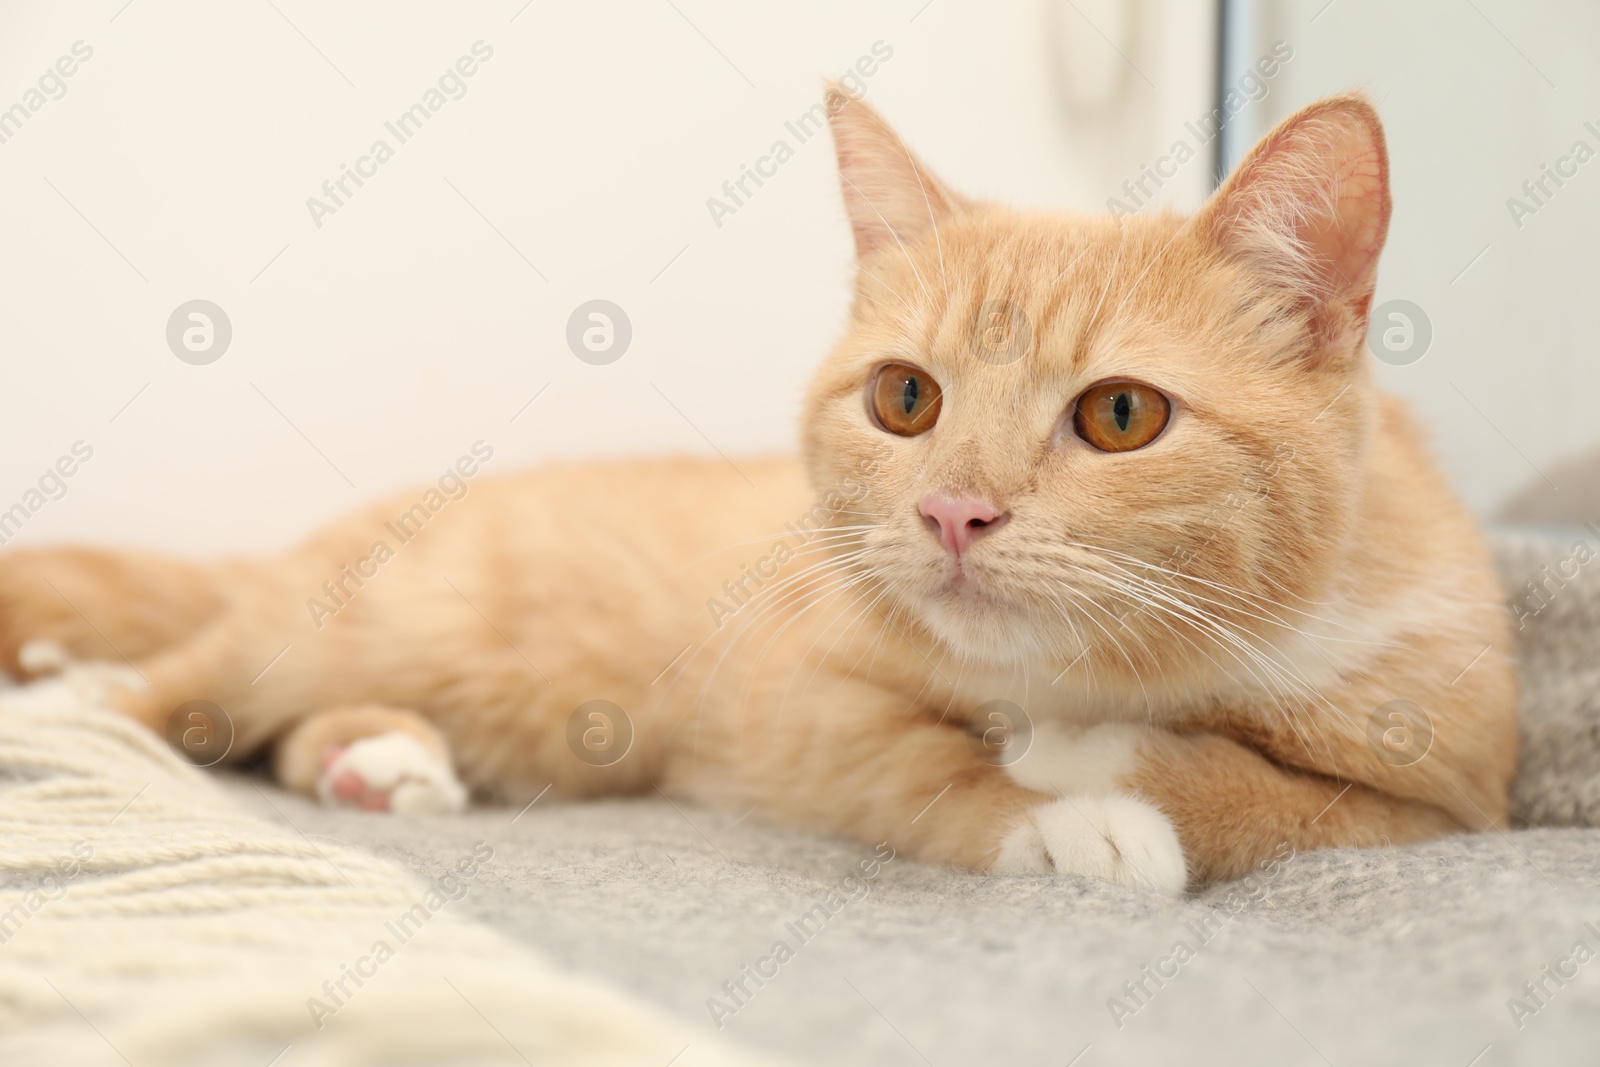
1466	951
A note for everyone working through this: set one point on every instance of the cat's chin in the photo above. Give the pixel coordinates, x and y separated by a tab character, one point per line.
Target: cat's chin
981	625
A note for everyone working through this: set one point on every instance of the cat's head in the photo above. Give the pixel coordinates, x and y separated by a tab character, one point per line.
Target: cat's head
1105	436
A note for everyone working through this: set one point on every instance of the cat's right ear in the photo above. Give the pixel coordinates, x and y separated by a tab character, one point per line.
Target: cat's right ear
890	196
1309	208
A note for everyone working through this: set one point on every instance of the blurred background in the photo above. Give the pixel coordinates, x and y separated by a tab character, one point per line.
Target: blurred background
249	340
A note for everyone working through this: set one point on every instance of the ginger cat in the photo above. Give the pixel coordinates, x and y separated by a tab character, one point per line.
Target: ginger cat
1103	557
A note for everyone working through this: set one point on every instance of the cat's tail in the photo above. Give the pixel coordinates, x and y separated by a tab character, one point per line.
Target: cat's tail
105	605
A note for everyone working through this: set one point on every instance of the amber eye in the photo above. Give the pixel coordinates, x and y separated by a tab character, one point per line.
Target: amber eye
905	400
1120	416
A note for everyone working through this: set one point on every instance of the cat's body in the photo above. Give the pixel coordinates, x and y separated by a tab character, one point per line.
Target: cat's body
1207	631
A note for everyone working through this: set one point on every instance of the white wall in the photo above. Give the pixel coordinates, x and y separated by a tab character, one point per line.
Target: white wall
1475	98
179	161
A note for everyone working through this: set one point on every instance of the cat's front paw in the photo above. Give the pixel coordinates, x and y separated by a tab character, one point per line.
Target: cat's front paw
1116	838
390	772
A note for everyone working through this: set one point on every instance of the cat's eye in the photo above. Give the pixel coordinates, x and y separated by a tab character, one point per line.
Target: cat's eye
905	400
1121	416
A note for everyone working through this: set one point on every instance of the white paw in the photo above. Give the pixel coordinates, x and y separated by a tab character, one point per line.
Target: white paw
1116	838
390	772
55	681
1063	761
41	656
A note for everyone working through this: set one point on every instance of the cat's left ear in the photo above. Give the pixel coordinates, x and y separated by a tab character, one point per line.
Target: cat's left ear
1309	208
890	196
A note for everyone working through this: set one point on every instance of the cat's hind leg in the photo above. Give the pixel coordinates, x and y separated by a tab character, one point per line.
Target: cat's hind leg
372	757
116	606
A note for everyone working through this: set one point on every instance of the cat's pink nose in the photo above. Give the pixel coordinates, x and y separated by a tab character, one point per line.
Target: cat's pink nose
959	521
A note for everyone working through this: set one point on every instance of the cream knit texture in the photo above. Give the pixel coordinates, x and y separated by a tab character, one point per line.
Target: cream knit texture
146	918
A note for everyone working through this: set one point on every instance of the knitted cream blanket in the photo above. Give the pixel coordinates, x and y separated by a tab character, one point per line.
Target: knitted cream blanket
146	919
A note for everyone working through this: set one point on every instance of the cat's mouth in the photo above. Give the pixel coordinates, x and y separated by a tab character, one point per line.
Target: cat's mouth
961	585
